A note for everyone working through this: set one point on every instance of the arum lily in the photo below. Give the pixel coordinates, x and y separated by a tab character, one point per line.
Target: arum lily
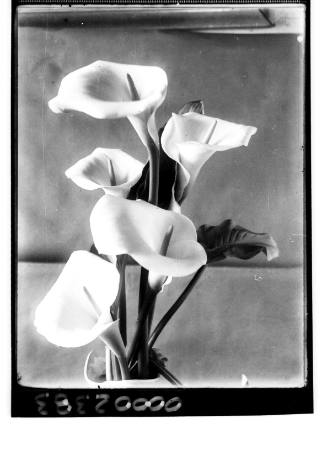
192	138
137	228
107	90
112	170
76	310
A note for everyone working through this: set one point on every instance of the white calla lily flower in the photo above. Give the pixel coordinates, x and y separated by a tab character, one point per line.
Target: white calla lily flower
112	170
192	138
137	228
76	310
108	90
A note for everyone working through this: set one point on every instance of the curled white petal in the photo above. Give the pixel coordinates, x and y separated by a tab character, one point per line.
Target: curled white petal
158	282
192	138
112	170
138	228
272	249
112	338
102	90
76	310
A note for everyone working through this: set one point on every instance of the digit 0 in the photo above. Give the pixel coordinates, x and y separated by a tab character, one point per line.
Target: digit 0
156	403
123	403
140	404
173	404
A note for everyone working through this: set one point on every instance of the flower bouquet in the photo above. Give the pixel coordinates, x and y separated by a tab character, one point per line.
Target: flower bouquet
139	219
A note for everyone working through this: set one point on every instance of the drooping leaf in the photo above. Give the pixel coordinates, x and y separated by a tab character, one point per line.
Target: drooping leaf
226	240
196	106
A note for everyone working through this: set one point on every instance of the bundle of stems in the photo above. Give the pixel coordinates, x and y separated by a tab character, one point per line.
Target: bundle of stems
142	362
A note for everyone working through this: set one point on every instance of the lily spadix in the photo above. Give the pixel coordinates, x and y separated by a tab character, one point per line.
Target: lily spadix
192	138
108	90
137	228
112	170
76	310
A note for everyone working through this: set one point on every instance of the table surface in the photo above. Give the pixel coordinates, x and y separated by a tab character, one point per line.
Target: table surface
237	321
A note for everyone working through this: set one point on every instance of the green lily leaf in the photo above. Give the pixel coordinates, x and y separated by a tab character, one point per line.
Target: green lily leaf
226	240
196	106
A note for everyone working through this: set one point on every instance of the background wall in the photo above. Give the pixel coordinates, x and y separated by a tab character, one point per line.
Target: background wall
238	320
250	79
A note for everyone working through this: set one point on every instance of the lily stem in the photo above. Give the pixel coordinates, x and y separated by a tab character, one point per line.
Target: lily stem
145	296
141	326
123	367
116	368
143	355
163	371
112	367
166	374
108	363
122	302
141	334
150	315
169	314
154	171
